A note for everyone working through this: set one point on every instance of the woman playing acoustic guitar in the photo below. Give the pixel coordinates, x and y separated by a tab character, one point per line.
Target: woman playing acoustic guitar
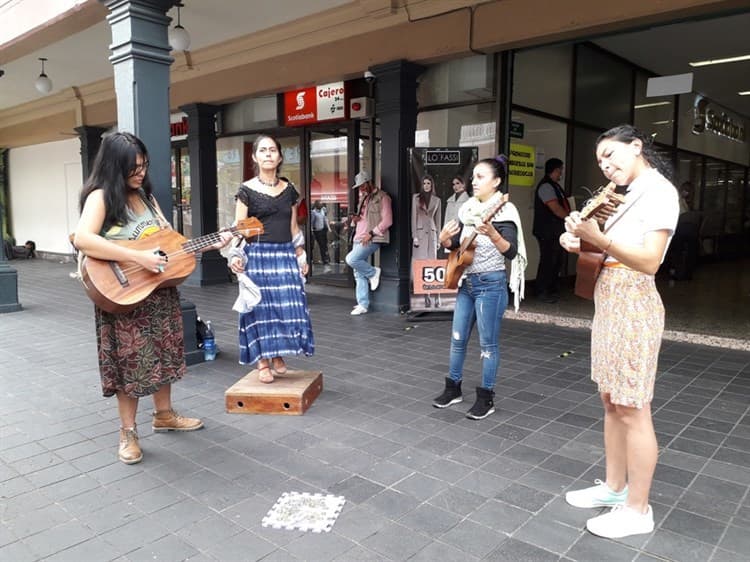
627	328
140	352
483	293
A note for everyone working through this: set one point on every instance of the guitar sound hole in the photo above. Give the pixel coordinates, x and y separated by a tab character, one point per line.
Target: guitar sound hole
240	404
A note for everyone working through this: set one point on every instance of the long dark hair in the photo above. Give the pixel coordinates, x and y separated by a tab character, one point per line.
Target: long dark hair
256	143
425	196
115	162
499	165
627	134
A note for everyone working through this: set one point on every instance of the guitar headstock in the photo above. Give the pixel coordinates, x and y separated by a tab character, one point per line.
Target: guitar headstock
495	208
248	227
605	196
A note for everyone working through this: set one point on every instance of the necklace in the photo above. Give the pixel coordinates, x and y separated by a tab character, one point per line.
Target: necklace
269	184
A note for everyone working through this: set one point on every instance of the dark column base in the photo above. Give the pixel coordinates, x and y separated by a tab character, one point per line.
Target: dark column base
193	355
390	294
210	270
9	290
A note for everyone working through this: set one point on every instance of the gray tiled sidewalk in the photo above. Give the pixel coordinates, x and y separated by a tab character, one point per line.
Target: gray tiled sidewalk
420	483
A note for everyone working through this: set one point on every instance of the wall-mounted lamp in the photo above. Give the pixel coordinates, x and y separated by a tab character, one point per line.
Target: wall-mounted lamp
179	38
43	84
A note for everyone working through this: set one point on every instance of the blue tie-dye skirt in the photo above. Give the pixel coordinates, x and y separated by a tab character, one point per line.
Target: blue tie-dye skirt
278	326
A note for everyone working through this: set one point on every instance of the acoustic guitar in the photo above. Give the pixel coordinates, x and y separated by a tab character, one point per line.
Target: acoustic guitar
460	259
119	287
591	258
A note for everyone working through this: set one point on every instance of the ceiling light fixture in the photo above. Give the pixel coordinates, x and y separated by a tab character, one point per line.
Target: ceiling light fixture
747	93
43	84
719	61
655	104
179	38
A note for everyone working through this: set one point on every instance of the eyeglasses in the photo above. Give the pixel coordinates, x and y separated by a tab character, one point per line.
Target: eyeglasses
140	168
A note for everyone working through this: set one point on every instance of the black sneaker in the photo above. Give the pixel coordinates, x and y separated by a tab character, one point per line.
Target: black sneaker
451	395
484	406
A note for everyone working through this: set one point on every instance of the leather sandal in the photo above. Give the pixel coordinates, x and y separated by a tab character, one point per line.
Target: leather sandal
265	375
279	365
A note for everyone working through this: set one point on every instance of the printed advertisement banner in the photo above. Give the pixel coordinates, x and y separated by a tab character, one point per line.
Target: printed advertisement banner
521	165
440	182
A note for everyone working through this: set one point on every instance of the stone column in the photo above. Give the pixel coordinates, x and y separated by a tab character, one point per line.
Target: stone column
8	275
140	58
396	109
91	139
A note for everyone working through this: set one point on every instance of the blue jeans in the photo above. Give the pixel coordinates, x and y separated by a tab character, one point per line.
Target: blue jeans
481	300
359	260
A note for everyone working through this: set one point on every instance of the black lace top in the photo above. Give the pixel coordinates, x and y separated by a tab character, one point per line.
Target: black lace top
275	212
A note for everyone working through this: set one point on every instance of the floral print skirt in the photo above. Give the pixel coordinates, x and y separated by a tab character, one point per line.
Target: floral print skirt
626	335
142	350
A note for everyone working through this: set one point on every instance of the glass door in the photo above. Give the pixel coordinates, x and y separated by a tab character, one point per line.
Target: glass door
182	219
329	204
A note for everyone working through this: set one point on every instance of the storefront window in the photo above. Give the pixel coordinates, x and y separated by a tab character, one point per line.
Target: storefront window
541	79
471	125
604	86
585	177
468	79
654	115
228	176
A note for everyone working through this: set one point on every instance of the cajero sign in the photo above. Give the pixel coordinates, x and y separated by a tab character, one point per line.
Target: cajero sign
708	117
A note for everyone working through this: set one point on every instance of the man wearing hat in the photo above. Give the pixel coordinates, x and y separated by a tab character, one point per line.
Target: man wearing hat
371	223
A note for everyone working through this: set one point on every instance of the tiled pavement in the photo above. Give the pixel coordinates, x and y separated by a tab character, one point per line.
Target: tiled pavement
420	483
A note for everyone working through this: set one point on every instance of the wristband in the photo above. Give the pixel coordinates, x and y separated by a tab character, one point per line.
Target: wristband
608	245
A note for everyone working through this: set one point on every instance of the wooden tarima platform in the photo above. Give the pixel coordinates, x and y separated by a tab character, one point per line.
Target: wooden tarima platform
290	394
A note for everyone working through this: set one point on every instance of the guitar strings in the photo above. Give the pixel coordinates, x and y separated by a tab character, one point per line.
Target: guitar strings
191	246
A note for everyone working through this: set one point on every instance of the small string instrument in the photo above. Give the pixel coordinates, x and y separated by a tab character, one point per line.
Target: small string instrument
119	287
460	259
591	258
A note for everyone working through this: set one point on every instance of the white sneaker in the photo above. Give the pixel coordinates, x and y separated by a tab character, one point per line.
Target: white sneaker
375	280
358	310
621	521
597	496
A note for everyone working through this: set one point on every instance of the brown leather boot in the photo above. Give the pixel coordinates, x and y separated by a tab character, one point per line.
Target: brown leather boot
169	420
130	451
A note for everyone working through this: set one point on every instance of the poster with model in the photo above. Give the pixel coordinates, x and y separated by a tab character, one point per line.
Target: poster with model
440	183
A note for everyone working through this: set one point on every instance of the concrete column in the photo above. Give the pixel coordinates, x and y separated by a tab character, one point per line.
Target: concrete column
8	275
396	109
91	139
212	268
140	58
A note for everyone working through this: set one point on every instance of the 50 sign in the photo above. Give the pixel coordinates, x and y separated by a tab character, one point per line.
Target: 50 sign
429	277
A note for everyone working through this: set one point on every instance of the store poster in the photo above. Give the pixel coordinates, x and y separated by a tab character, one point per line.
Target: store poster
437	167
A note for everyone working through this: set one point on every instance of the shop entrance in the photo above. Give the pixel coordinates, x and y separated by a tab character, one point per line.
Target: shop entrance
329	202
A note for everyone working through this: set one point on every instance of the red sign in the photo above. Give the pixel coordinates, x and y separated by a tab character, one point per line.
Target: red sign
325	102
429	277
300	107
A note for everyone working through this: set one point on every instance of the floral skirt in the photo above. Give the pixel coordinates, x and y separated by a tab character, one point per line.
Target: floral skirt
279	325
142	350
626	335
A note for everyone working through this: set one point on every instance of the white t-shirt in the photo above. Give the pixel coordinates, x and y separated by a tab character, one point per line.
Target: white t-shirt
655	206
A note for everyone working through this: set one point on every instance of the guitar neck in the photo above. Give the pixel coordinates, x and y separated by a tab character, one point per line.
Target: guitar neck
197	244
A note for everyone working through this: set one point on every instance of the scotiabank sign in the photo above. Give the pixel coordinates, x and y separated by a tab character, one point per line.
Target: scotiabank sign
304	106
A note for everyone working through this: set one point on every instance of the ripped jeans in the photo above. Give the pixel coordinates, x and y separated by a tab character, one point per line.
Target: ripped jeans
481	300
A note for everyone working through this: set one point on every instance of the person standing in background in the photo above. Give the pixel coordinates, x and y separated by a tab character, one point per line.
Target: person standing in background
320	230
426	223
550	209
371	226
628	325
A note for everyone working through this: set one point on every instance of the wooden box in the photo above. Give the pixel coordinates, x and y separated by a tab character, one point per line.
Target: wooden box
289	394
